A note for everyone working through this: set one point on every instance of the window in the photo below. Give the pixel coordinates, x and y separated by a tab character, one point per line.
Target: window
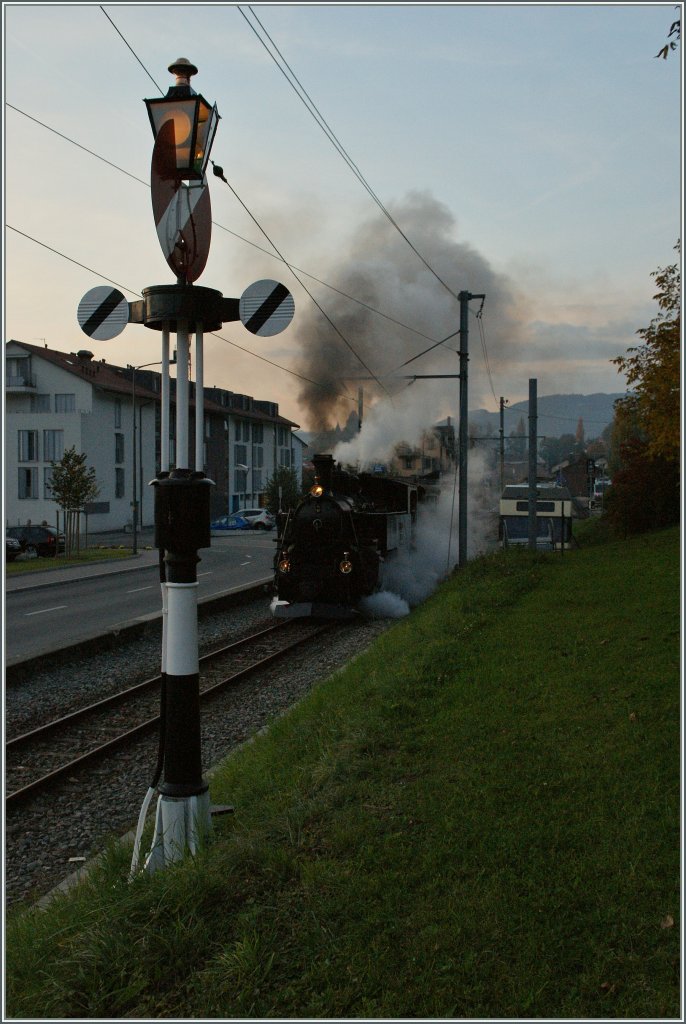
28	483
18	370
53	445
118	447
240	481
40	403
47	483
258	433
65	403
240	454
242	430
257	479
258	457
119	483
28	446
117	412
208	427
285	457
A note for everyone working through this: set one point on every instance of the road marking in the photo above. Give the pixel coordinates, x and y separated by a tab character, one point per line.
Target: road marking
208	573
244	563
138	590
43	611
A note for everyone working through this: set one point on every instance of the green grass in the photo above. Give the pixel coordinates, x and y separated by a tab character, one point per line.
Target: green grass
477	818
85	557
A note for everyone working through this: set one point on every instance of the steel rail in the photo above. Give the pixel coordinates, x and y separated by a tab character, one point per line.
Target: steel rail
118	698
45	781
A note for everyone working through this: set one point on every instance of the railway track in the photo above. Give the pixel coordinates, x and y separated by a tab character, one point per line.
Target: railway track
36	760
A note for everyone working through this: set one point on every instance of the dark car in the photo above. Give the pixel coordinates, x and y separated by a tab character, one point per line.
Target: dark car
43	541
12	548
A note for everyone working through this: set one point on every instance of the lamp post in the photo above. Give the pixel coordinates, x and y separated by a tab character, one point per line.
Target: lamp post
184	125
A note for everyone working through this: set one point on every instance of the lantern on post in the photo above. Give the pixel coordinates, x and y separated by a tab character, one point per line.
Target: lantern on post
194	120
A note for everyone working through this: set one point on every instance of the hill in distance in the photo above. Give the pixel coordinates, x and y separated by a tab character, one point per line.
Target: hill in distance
557	415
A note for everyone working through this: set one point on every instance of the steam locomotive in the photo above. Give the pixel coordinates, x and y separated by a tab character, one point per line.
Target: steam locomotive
331	548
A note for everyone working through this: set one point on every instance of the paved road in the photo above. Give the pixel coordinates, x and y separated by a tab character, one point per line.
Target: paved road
47	611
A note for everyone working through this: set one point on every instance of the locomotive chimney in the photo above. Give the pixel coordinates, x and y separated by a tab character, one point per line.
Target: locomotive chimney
323	469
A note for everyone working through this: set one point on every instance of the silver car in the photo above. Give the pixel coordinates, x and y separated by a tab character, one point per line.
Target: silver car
259	518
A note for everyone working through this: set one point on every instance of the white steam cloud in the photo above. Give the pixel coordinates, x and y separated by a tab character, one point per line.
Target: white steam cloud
410	576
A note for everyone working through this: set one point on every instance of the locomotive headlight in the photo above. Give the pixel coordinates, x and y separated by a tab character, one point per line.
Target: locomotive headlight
346	566
284	564
317	490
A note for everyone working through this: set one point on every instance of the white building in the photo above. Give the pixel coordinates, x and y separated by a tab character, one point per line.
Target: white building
57	400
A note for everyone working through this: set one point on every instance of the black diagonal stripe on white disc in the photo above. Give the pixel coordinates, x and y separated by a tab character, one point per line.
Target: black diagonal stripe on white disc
103	313
266	308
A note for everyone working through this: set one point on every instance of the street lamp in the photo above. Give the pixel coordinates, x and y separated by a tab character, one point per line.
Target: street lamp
188	120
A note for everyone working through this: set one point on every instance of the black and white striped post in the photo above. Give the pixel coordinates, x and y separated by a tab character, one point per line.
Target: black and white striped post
184	125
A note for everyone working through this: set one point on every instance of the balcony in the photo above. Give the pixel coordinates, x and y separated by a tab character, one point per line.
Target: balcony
20	382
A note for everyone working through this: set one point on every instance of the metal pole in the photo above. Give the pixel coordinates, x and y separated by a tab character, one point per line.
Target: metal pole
134	505
502	445
182	395
164	403
464	298
533	451
199	401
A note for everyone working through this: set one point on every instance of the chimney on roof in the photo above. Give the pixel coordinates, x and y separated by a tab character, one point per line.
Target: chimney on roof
84	354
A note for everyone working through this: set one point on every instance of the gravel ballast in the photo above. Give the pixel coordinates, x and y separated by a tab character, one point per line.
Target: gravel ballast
53	835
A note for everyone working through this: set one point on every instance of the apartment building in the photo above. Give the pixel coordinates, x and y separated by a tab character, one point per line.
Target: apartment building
58	400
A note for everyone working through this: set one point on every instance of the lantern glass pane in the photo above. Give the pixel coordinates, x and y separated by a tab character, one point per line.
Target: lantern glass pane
182	113
207	126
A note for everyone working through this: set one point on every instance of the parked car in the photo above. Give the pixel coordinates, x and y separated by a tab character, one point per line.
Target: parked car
12	548
258	518
232	522
43	541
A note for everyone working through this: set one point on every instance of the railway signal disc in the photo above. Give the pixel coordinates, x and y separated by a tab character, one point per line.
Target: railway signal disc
266	308
103	313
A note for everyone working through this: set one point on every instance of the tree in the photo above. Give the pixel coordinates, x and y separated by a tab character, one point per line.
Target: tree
290	493
645	491
556	449
73	485
517	441
653	370
580	433
671	44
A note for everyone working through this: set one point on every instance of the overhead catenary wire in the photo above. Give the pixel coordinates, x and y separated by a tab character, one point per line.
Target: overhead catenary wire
222	227
259	226
132	291
277	254
309	104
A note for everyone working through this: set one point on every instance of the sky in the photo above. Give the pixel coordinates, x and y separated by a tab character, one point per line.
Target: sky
530	153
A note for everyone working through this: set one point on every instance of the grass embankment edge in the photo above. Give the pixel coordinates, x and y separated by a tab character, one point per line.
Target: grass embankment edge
479	817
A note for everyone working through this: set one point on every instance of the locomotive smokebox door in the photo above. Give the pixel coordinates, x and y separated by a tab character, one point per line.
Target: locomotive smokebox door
182	511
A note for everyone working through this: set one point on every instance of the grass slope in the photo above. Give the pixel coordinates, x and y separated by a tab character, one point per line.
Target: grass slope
477	818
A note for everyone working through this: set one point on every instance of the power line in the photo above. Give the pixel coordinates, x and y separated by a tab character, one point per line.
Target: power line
249	212
133	291
71	260
482	336
132	50
321	310
301	92
222	227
